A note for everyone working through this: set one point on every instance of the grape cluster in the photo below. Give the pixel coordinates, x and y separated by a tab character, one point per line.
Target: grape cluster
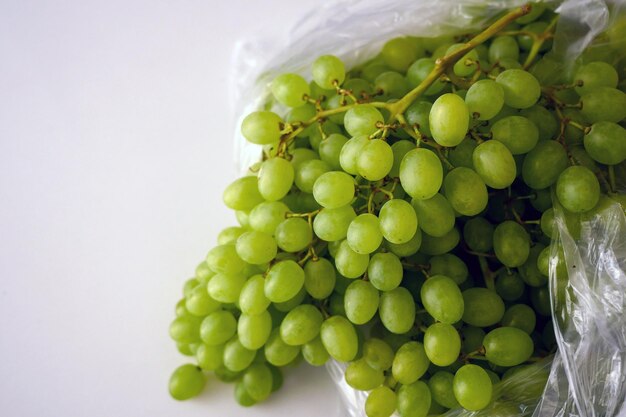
401	218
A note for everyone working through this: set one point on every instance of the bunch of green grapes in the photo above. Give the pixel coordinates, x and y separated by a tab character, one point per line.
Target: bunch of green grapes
400	220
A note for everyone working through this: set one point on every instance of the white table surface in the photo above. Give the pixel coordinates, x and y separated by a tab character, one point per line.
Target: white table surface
114	151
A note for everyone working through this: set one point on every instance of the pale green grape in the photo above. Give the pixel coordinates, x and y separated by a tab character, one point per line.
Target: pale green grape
442	344
359	87
332	224
349	263
283	281
511	243
236	356
417	114
315	353
508	346
224	259
241	394
374	69
308	172
186	382
340	339
398	221
350	153
185	329
466	191
301	114
467	64
461	156
374	160
293	234
494	164
449	265
472	387
440	384
517	133
360	301
229	236
362	120
603	104
330	149
290	89
478	234
218	327
543	119
301	325
277	352
419	70
299	155
385	271
543	164
210	357
359	375
190	284
293	302
275	178
414	400
421	173
432	245
521	88
509	286
378	354
449	120
397	310
399	149
242	218
391	84
578	189
319	278
520	316
503	47
442	299
242	194
529	271
258	381
399	53
253	331
594	75
226	288
256	247
410	363
606	143
406	249
484	99
364	235
436	216
381	402
328	71
261	127
334	189
200	303
252	299
483	307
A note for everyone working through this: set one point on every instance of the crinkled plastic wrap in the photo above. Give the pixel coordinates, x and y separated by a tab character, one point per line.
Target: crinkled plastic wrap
587	375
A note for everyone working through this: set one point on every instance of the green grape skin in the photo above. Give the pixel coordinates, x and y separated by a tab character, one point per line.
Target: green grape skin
375	160
242	396
398	221
340	339
332	224
227	236
283	281
529	271
466	65
319	278
517	133
186	382
276	177
308	172
199	302
236	356
397	310
381	402
503	47
406	249
361	302
364	235
472	338
218	327
334	189
543	165
508	346
266	216
606	143
360	376
466	191
258	381
373	70
252	299
521	89
418	71
391	84
421	173
277	352
484	99
541	200
185	329
449	265
302	114
261	127
442	299
300	155
226	375
578	189
210	357
439	245
416	116
483	307
362	120
511	243
350	152
330	149
360	88
520	316
399	53
540	299
478	234
335	304
301	325
414	400
440	384
253	331
242	194
399	149
509	286
442	344
293	234
385	271
594	75
494	164
328	71
603	104
472	387
314	352
224	259
435	215
378	354
543	119
410	363
290	89
226	288
461	155
256	247
449	120
293	302
349	263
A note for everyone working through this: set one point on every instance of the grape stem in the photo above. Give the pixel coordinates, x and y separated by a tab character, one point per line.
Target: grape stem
538	41
612	183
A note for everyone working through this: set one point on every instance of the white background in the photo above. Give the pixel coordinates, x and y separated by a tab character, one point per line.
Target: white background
115	146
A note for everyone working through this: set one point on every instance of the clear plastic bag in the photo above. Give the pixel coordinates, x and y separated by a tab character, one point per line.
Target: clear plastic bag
587	376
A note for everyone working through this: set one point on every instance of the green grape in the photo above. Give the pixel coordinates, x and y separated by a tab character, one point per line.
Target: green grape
440	385
360	376
517	133
484	99
332	224
290	89
226	375
521	88
373	70
275	178
224	259
432	245
335	304
543	119
543	165
302	114
580	156
361	302
185	329
242	396
328	71
210	357
300	155
542	199
378	354
362	120
511	243
509	285
181	310
364	235
540	298
391	84
529	271
266	216
315	353
319	278
228	236
218	327
308	172
301	325
450	266
449	120
349	263
330	149
399	53
472	387
508	346
406	249
466	191
494	164
417	73
442	299
483	307
603	104
261	127
461	156
578	189
350	152
334	189
594	75
503	47
277	352
414	400
606	143
226	288
385	271
283	281
399	149
467	64
398	221
258	381
421	173
397	310
374	160
520	316
436	216
381	402
253	331
478	234
472	338
292	303
256	247
340	339
293	234
442	344
252	299
200	303
186	382
417	114
359	87
410	363
242	194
